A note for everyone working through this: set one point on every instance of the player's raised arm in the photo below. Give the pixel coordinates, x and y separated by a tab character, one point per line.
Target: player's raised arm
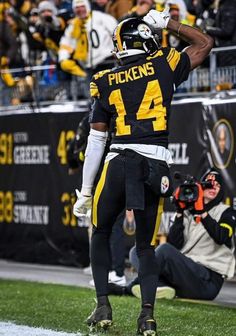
200	44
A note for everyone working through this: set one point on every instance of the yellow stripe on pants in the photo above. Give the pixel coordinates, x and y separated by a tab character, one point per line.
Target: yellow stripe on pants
98	191
158	221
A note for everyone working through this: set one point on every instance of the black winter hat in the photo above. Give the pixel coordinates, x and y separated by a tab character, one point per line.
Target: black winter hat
216	177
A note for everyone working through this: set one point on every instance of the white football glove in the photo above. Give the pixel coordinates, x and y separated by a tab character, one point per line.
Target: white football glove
83	205
158	20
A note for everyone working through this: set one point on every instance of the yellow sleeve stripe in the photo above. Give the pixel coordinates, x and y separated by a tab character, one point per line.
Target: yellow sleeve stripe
158	54
101	73
173	58
227	226
94	90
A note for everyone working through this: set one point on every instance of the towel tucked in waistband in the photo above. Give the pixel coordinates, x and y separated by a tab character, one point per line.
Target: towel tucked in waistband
135	174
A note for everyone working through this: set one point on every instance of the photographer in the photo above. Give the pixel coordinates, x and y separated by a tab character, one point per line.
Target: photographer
49	28
199	254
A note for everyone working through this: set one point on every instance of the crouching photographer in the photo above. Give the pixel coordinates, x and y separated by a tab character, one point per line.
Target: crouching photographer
199	253
203	233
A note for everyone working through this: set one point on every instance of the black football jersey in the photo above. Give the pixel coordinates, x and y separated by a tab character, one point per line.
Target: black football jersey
138	95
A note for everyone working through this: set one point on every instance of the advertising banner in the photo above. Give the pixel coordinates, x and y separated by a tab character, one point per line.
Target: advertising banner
37	192
220	129
202	135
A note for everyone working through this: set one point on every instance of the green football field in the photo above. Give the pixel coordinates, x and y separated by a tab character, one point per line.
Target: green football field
65	308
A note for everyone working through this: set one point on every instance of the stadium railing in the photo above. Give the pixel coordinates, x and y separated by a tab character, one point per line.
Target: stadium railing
211	78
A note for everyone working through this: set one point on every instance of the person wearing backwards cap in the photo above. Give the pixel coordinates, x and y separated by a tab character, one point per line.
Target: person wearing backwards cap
199	254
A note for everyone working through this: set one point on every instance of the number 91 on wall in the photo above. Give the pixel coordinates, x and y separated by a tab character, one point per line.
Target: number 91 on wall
6	148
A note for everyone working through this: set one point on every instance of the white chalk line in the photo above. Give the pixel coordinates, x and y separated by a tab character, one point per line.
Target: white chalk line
11	329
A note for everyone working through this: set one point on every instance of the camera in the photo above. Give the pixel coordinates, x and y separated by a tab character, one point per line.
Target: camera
188	189
48	18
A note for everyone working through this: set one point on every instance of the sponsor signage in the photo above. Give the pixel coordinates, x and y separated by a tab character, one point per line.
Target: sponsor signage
37	193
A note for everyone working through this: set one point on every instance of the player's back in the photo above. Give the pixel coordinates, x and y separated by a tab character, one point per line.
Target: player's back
139	95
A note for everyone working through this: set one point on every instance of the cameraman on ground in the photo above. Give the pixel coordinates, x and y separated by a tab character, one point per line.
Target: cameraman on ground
199	254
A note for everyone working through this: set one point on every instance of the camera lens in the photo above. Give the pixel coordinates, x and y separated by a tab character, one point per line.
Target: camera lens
48	19
188	193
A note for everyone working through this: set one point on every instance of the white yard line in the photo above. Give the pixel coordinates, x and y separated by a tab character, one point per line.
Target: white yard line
11	329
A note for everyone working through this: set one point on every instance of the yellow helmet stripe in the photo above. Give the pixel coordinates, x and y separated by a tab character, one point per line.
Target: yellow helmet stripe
118	36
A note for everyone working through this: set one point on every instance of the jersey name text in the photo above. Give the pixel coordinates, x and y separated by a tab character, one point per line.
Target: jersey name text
134	73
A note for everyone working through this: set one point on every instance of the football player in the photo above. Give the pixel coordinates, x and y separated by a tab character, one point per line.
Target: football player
136	176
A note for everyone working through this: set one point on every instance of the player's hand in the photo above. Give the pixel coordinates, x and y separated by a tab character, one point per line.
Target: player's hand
198	207
180	206
159	20
82	207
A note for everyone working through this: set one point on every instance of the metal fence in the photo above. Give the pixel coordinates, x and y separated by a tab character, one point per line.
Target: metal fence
32	86
212	78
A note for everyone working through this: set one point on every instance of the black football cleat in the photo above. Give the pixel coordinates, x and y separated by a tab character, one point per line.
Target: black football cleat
101	318
146	326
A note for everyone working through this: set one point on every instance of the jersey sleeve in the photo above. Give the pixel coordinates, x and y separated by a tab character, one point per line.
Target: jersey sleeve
98	113
183	69
179	63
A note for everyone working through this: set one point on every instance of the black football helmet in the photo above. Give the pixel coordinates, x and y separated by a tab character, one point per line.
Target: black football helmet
134	36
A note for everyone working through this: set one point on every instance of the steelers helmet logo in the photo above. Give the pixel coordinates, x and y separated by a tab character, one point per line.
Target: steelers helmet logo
144	31
165	183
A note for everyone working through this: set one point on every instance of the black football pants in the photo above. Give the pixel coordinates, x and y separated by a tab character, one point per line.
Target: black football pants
109	201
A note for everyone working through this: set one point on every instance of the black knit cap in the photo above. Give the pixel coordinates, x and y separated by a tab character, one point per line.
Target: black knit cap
217	177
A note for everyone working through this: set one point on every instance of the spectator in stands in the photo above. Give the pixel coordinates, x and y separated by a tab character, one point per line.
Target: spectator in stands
49	28
23	7
137	94
205	12
9	47
224	31
141	8
199	254
86	45
32	27
21	28
99	5
169	39
65	10
119	8
182	8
